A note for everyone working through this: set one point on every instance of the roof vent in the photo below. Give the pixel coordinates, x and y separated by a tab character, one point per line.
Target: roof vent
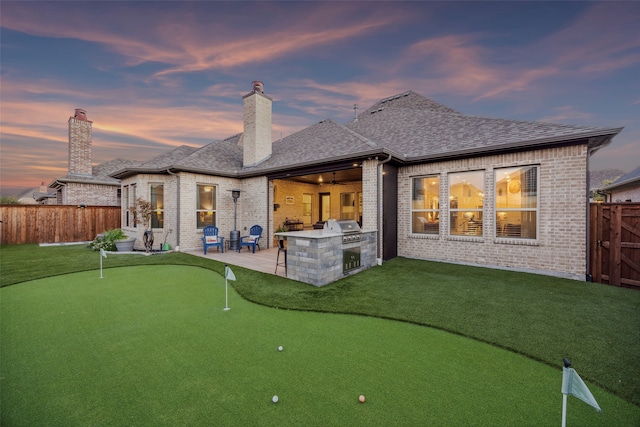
258	87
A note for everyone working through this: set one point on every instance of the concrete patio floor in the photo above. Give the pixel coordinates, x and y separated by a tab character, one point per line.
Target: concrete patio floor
263	260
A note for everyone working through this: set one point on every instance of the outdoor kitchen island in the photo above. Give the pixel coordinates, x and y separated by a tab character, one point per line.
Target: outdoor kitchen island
319	257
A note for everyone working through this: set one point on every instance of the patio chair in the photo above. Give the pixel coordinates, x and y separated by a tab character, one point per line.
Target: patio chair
252	240
210	238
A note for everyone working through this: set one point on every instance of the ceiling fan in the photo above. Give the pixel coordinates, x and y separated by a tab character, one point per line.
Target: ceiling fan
333	182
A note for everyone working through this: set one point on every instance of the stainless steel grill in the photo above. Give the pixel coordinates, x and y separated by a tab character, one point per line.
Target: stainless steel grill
351	233
349	229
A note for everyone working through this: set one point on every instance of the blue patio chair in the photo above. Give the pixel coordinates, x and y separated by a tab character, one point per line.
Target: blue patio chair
252	240
210	238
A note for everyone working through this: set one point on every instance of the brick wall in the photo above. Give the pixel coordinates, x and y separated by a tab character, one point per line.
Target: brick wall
79	146
257	128
626	193
90	194
560	248
284	188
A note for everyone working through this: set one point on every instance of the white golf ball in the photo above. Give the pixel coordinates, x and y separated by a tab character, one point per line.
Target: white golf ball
280	348
274	399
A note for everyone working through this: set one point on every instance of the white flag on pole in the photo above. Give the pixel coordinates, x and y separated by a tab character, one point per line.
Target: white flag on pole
572	384
228	274
103	253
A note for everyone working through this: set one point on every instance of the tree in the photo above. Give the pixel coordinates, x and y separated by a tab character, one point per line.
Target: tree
9	200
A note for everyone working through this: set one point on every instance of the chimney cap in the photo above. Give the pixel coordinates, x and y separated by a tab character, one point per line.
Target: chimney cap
257	86
80	114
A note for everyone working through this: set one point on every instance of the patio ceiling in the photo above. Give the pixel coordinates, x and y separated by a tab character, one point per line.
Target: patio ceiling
347	175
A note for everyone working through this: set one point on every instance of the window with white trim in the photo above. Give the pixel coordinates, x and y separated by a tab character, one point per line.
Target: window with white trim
466	201
425	205
132	204
516	205
206	205
125	206
157	206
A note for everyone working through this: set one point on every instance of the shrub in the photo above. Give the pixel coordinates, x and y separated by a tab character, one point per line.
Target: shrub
107	241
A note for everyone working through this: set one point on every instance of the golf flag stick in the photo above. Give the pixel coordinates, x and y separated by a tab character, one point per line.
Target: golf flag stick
103	254
573	385
228	275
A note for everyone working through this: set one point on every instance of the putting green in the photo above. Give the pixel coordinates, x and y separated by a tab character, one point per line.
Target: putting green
152	345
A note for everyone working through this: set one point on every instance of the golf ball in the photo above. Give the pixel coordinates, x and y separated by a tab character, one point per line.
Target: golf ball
280	348
361	398
274	399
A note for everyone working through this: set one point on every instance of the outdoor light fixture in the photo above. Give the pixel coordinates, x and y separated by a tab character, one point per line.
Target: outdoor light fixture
234	236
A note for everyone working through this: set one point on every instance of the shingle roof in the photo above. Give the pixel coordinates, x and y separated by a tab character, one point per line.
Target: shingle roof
407	100
424	133
220	157
598	177
318	143
100	174
407	125
169	158
630	178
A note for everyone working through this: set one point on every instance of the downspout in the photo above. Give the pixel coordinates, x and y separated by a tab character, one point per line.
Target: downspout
177	206
380	205
589	277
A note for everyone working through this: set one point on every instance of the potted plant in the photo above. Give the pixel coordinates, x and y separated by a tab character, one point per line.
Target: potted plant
281	229
113	240
141	212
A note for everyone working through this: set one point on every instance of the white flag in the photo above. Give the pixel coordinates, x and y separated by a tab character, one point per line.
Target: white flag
103	253
572	384
228	274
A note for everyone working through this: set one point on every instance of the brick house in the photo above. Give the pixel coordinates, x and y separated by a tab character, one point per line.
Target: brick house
86	184
624	189
433	183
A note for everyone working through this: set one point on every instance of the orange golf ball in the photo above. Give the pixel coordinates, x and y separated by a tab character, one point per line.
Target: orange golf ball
361	398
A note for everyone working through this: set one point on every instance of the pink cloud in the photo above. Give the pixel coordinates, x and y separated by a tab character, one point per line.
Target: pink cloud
178	38
567	114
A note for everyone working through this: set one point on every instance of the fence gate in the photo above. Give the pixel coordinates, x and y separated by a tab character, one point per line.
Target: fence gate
614	244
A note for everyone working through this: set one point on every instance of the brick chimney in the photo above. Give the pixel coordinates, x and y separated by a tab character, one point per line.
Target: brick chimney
257	126
80	143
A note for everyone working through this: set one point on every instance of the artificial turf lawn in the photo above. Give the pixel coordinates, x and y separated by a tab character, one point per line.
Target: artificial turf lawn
152	345
545	318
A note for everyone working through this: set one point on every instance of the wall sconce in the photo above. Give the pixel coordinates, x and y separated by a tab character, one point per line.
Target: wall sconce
276	206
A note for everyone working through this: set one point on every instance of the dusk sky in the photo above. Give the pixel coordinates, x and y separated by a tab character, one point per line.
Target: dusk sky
156	75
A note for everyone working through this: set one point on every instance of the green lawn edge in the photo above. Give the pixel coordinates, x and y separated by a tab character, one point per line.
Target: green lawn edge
541	317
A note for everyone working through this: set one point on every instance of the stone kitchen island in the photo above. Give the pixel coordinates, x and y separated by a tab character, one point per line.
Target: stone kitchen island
319	257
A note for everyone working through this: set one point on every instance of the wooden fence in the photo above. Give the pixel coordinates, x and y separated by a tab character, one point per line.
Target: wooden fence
614	244
55	223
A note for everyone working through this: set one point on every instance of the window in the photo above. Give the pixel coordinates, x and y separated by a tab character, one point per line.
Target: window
425	205
206	206
466	200
517	202
347	205
125	206
132	203
157	206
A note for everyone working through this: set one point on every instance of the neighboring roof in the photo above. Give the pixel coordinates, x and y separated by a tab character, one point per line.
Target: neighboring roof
631	178
598	177
407	126
100	174
159	163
